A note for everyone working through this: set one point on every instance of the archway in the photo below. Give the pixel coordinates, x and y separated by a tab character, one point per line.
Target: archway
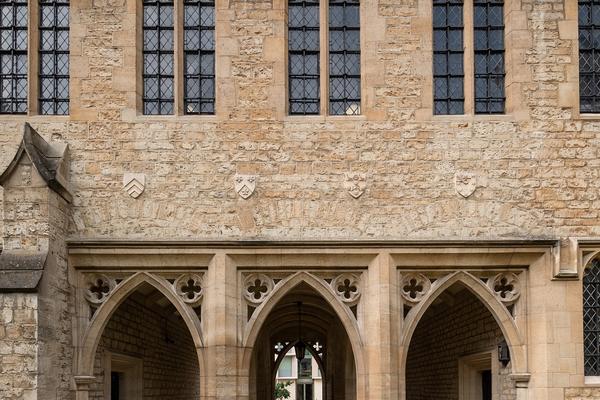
142	345
302	313
454	351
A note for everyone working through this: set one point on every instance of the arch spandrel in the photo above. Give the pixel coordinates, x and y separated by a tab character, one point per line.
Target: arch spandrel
483	293
95	329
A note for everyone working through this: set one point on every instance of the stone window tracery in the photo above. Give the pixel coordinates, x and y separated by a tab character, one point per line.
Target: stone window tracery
324	61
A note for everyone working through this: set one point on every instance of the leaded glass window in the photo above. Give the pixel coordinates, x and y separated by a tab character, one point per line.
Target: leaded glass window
488	23
199	47
54	57
13	57
591	319
344	57
158	69
448	71
303	53
589	56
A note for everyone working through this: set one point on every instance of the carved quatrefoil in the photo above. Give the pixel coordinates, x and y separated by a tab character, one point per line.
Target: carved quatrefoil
414	287
347	287
98	287
257	287
189	287
506	287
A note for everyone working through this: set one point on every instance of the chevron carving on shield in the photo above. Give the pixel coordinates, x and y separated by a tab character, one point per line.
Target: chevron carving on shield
134	184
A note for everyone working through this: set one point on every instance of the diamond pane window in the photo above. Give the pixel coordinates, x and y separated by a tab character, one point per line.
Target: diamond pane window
591	319
303	53
199	57
13	57
448	71
158	70
488	24
589	56
344	57
54	57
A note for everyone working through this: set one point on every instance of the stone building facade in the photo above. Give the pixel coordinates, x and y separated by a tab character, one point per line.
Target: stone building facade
414	254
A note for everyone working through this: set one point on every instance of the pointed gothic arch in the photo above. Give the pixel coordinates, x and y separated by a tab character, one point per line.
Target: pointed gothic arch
93	333
347	319
502	316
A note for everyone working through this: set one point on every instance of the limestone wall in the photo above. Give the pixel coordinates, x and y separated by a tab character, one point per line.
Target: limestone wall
443	336
536	167
18	346
582	393
170	370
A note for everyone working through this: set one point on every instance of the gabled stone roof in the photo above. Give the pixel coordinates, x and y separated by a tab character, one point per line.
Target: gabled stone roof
48	159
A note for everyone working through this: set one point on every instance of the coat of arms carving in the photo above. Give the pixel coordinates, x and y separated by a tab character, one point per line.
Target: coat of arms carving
356	183
134	184
465	183
245	185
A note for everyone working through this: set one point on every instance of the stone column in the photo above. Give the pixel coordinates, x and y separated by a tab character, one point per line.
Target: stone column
380	342
221	377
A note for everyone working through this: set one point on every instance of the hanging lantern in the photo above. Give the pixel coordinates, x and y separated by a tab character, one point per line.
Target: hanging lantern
503	353
300	349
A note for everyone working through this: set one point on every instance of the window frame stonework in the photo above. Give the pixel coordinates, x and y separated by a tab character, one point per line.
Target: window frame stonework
34	58
594	52
591	307
517	38
471	30
56	53
324	51
179	64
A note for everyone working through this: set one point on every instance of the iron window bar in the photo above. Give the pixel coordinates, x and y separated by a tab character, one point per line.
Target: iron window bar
199	57
448	54
158	55
589	56
13	57
54	57
488	38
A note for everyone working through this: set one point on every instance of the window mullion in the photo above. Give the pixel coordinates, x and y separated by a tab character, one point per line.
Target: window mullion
177	58
469	58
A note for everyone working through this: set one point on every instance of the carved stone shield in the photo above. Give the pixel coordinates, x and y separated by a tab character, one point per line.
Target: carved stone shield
465	183
245	185
356	184
134	184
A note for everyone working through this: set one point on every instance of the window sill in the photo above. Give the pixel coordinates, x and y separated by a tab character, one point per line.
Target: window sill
201	118
592	381
590	116
34	118
473	118
324	118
